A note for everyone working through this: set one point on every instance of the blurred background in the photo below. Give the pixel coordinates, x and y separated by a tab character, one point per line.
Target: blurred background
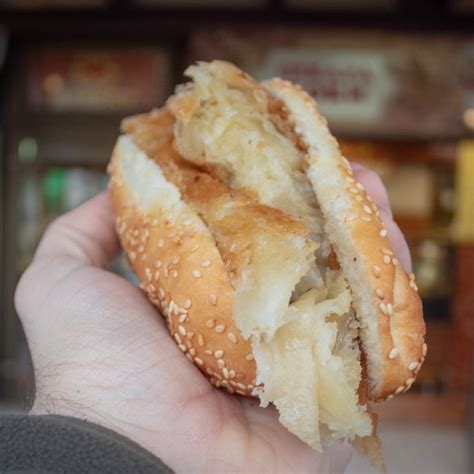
395	78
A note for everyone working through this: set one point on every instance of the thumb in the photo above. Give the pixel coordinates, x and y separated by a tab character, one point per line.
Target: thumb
86	234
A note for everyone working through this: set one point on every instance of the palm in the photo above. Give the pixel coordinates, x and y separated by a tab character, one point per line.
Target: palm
111	361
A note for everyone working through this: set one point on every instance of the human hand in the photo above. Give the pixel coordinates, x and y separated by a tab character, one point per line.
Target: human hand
102	353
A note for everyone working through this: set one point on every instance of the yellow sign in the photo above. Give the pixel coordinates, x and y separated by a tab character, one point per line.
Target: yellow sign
464	223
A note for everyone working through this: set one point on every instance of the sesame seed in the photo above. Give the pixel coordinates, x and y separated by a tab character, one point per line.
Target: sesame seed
410	381
208	352
200	340
230	390
192	351
232	248
225	372
386	259
199	361
177	338
220	328
161	243
182	318
389	309
182	347
367	209
209	371
210	323
141	249
395	261
231	337
376	270
189	335
161	293
175	260
359	185
411	276
197	274
241	386
205	263
158	264
366	218
173	234
218	354
389	397
359	198
194	248
187	304
354	190
220	363
383	233
387	252
213	298
231	374
413	365
424	350
174	273
157	275
154	222
399	390
379	293
249	357
383	308
182	330
394	353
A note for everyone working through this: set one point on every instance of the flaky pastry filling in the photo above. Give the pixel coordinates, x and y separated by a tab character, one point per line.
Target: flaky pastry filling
291	301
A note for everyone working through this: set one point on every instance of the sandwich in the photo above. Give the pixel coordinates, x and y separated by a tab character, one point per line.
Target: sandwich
269	261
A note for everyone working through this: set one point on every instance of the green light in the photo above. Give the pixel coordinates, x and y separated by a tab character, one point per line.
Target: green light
27	150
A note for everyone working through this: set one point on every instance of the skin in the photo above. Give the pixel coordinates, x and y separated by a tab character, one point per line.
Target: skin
101	353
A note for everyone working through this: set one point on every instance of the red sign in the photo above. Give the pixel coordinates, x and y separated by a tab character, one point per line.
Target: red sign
98	81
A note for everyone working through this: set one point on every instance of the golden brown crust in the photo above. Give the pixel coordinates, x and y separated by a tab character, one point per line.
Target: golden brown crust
212	293
184	276
394	299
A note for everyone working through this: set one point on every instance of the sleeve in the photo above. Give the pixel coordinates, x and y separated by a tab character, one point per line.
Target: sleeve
53	443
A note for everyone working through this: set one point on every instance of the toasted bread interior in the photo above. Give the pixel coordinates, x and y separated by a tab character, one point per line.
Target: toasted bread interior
292	299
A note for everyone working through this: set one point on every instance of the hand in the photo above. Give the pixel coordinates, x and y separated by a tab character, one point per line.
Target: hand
102	353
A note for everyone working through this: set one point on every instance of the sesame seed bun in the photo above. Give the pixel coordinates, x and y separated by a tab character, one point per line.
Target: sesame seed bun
268	259
385	296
